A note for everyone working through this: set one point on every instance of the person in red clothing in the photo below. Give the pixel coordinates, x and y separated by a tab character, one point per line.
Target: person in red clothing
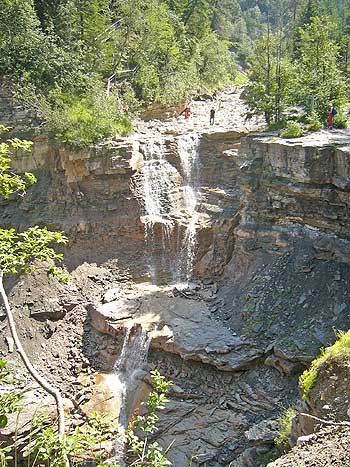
125	108
187	112
330	117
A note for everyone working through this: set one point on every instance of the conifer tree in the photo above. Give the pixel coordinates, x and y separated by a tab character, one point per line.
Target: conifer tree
318	71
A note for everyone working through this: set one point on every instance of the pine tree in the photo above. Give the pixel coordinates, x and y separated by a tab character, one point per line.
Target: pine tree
318	70
271	74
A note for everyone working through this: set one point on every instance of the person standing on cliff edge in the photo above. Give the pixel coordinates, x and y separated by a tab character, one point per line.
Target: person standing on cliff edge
331	112
187	112
212	116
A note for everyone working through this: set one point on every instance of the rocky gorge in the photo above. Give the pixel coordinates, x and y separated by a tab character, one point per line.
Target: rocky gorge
227	247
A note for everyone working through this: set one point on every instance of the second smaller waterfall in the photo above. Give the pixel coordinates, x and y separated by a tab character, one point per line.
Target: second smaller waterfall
188	153
132	358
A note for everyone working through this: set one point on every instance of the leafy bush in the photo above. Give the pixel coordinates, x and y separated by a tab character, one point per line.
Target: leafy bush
240	79
340	120
80	122
277	125
285	427
313	122
340	348
140	451
293	130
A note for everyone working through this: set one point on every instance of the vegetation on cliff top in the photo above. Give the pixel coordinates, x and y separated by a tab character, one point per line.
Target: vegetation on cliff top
302	60
65	55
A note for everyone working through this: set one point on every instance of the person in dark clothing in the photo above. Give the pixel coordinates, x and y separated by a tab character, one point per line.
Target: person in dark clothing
212	116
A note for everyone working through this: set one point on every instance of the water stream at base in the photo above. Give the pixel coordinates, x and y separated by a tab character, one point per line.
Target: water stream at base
132	358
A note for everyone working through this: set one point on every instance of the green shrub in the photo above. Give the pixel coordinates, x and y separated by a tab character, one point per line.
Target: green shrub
80	122
340	348
240	79
277	125
340	120
285	428
313	122
293	130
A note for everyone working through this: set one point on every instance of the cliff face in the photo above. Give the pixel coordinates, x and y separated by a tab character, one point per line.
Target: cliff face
290	265
261	223
96	196
86	194
305	182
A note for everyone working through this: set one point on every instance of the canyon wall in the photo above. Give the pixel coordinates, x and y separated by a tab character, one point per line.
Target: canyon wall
264	223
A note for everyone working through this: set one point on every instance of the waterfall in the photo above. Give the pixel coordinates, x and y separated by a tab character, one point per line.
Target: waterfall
170	200
159	197
188	153
132	358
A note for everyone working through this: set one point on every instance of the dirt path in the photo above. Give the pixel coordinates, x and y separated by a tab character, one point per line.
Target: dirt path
230	114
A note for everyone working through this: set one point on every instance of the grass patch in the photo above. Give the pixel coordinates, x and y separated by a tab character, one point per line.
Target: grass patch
240	79
292	130
277	125
340	348
81	122
313	122
285	428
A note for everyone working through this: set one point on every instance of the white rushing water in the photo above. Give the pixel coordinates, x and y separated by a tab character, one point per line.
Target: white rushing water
132	358
166	192
188	153
159	197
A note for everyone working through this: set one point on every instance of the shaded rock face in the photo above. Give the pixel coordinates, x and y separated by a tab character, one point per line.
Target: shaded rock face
86	194
290	184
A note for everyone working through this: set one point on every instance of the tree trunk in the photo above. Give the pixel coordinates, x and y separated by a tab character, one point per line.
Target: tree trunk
39	379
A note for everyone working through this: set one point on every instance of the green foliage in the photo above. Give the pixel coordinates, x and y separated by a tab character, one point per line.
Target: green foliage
67	51
19	250
10	182
285	428
278	125
79	122
270	76
302	65
340	349
318	70
81	443
340	120
216	63
293	130
10	401
240	79
313	122
141	451
90	441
